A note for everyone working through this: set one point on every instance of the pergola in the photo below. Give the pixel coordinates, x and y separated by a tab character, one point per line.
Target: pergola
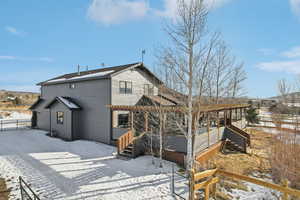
197	111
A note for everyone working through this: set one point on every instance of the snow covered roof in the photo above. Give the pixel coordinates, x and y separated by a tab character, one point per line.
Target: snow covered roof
67	101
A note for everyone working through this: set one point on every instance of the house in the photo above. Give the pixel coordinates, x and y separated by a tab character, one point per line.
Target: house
74	106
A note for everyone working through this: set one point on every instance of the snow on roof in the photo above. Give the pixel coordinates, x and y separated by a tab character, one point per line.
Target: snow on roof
68	103
98	74
56	80
92	75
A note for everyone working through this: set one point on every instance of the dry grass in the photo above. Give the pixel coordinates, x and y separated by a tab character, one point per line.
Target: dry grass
256	160
285	159
4	192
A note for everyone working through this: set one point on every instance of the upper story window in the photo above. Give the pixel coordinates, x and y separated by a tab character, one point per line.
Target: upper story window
125	87
72	86
148	89
60	117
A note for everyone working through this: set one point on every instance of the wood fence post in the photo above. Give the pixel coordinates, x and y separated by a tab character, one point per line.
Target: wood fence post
285	183
192	184
206	197
214	190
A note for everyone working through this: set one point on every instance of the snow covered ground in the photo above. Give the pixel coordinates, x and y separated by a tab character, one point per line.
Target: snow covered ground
78	170
4	115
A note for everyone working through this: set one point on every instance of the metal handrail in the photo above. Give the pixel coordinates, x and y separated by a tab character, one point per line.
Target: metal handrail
22	189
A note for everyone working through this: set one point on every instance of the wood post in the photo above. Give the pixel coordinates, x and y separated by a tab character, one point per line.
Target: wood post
206	194
225	118
230	117
131	120
285	183
192	185
146	125
214	190
208	131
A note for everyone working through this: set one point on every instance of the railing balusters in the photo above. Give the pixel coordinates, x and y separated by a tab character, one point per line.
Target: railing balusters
124	141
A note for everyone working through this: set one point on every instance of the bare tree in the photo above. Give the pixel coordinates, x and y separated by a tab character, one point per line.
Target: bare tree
223	64
284	88
235	84
183	58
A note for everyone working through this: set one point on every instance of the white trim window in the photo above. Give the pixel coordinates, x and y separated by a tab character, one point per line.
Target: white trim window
125	87
148	89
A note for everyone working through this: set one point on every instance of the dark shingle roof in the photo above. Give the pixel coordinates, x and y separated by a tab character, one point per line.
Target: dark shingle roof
96	73
160	100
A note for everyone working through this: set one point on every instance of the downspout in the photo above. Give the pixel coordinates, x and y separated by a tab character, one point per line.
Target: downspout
111	114
72	124
50	123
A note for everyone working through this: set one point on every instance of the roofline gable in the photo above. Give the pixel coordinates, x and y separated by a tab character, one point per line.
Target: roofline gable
57	99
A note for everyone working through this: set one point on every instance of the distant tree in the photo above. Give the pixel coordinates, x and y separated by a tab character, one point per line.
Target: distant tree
252	116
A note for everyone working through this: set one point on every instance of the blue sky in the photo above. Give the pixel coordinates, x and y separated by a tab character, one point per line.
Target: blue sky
42	39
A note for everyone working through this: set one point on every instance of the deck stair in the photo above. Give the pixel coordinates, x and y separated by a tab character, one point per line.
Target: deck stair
241	132
236	139
128	151
125	145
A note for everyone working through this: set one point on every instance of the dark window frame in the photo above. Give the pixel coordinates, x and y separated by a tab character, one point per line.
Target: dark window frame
72	85
60	118
127	89
148	89
123	120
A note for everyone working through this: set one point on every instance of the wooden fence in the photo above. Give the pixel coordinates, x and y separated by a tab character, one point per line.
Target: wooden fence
124	141
208	179
12	124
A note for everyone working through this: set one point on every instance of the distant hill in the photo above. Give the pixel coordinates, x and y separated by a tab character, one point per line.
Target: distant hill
293	97
16	97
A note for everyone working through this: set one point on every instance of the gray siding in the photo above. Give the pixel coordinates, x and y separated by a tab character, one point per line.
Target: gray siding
43	117
93	122
138	79
62	130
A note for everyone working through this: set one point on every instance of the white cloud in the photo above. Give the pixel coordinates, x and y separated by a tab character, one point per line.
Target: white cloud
7	57
281	66
266	51
295	6
292	53
14	31
170	7
42	59
117	11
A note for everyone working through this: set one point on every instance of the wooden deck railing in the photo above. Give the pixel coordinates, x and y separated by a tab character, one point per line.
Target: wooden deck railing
124	141
212	177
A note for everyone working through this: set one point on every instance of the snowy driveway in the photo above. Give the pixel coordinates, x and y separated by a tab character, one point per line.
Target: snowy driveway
78	170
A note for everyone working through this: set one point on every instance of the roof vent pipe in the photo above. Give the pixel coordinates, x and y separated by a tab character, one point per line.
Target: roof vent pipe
78	69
